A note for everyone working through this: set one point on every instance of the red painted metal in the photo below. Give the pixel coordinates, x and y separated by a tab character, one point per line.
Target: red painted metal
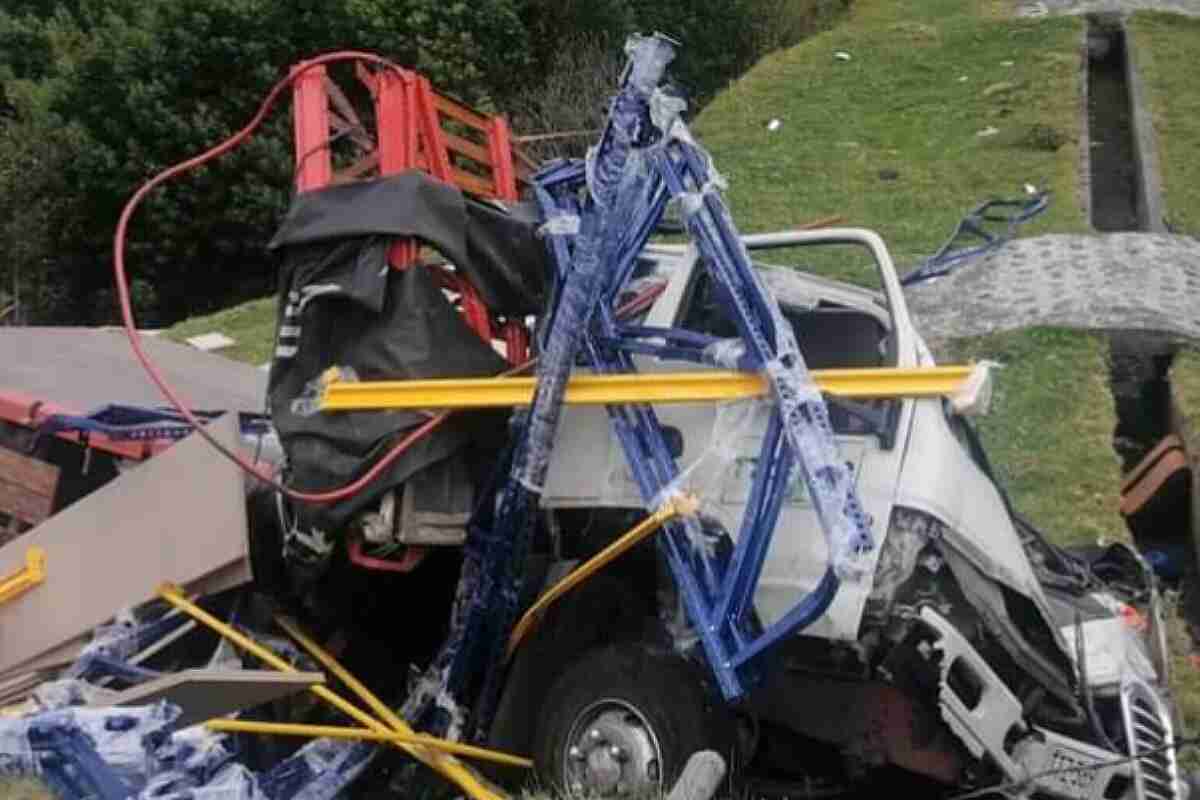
314	164
410	135
30	412
500	150
410	560
397	141
516	341
432	141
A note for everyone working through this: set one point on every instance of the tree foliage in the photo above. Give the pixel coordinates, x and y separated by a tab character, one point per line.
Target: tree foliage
104	93
97	95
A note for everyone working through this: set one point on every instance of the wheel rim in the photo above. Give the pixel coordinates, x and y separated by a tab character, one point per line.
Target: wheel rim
612	751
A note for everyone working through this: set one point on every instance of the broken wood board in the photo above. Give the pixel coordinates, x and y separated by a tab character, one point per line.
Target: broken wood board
178	518
204	694
27	488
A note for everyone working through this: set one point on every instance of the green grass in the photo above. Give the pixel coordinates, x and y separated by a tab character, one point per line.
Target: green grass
251	325
1167	48
900	104
24	789
1049	435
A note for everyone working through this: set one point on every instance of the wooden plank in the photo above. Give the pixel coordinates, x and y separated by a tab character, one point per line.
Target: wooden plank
178	518
27	488
17	501
36	476
460	113
473	183
468	149
204	694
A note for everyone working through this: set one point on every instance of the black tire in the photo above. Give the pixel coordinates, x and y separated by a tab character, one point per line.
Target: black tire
646	702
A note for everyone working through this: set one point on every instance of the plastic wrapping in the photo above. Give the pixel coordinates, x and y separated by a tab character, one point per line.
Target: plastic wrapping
725	353
974	397
319	770
234	782
116	753
805	418
616	172
69	692
561	225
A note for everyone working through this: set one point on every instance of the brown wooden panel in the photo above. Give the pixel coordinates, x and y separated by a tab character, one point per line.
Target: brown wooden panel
461	113
26	506
36	476
468	148
26	487
473	183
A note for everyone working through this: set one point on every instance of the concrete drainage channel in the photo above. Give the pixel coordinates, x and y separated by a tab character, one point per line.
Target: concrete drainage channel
1125	196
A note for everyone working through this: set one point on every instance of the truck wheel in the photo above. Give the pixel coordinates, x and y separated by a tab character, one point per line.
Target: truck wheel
622	722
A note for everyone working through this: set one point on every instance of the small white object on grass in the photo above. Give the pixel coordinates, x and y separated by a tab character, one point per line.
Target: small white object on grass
1030	189
841	55
988	131
773	125
210	341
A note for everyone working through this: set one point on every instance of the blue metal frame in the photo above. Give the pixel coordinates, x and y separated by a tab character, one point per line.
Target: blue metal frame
717	589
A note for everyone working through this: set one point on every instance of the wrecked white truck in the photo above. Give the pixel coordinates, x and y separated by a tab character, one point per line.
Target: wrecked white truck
737	506
840	592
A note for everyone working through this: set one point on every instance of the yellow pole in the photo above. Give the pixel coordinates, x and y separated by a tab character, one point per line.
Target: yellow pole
682	505
655	387
363	734
448	766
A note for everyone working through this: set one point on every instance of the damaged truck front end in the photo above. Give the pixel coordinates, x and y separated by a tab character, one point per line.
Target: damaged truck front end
975	654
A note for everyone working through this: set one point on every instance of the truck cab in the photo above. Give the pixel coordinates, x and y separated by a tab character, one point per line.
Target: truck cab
973	652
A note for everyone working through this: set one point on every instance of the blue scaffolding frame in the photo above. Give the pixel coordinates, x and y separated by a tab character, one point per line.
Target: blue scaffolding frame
605	210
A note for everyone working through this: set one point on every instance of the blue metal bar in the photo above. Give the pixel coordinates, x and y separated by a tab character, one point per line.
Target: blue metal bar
753	528
637	170
814	604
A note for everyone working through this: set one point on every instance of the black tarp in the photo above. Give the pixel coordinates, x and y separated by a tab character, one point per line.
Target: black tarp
498	250
341	305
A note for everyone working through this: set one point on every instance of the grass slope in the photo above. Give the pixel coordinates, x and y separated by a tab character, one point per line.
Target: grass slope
251	325
1167	48
923	80
901	104
24	789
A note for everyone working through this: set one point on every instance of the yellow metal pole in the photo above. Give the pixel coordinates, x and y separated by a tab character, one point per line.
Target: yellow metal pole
27	577
679	506
363	734
655	387
448	766
326	659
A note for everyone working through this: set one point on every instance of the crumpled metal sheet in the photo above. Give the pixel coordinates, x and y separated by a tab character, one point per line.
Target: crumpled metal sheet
1119	281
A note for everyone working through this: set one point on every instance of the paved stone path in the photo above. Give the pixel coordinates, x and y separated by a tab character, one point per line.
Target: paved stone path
1115	282
1037	8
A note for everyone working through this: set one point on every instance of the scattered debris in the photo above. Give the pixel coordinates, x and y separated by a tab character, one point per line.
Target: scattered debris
521	538
211	341
972	237
773	125
1003	87
841	55
701	777
986	132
